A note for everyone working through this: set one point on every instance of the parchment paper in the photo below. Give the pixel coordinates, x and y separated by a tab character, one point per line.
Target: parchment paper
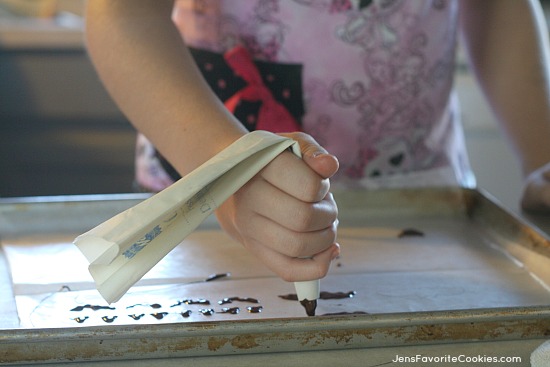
453	266
123	249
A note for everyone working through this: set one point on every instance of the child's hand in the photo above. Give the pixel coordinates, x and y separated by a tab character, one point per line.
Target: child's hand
286	213
536	193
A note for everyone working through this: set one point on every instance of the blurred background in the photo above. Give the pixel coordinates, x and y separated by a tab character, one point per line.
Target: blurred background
61	134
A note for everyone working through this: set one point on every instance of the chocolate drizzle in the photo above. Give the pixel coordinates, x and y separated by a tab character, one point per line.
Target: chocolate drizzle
231	310
92	307
207	311
289	297
108	319
410	232
136	317
240	299
154	305
254	309
186	313
217	276
310	306
159	315
337	295
192	302
322	295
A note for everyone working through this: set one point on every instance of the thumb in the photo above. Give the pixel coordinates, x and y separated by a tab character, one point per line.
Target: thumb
314	155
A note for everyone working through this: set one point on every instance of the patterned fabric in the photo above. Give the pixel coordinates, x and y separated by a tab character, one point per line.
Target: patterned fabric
376	78
272	115
255	90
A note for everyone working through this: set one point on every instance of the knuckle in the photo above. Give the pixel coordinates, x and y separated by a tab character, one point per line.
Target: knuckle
299	135
314	190
322	270
297	249
297	246
303	219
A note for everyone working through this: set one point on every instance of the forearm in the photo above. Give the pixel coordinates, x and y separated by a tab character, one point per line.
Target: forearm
508	48
141	59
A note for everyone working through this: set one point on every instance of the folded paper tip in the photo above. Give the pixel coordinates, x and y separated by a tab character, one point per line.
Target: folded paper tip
309	289
109	295
111	290
97	250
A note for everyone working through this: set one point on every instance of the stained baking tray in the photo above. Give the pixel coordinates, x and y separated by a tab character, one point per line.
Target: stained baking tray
476	273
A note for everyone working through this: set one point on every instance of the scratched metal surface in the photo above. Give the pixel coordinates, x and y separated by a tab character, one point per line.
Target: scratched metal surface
217	338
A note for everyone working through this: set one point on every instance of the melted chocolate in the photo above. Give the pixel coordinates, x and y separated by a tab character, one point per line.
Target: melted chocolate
231	310
217	276
109	319
92	307
289	297
136	317
254	309
192	302
322	295
240	299
310	306
154	305
159	315
207	311
337	295
186	313
410	232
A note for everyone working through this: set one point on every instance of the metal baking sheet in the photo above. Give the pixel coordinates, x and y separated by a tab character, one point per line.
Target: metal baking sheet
476	273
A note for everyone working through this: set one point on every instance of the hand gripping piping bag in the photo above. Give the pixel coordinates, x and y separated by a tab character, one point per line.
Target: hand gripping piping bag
124	248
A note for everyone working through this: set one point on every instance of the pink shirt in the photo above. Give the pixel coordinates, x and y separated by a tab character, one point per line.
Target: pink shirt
377	80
